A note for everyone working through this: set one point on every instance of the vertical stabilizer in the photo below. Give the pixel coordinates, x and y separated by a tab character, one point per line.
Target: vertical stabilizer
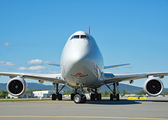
89	29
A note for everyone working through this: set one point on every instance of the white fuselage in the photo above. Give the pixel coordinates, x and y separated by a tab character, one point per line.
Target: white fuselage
82	61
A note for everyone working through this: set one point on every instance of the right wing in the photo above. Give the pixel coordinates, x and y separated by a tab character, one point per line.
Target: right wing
112	66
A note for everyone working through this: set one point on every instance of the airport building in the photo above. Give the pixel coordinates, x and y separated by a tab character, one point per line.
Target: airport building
44	94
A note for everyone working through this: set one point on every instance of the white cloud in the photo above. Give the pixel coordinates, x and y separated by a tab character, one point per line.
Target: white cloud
7	44
37	61
22	68
2	63
32	68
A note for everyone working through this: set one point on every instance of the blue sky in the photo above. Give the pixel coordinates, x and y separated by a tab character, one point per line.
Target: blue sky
33	34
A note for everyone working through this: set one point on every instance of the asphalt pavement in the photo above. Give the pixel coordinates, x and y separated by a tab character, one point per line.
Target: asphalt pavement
151	108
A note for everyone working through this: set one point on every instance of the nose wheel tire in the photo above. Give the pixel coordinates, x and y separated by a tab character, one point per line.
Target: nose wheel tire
79	98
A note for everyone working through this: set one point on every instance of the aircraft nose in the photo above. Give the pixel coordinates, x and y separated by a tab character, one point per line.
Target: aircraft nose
78	56
77	60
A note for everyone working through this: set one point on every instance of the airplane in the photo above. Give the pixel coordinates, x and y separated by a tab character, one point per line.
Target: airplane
82	68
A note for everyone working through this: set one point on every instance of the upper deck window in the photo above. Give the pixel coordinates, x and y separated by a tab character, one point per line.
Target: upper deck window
75	37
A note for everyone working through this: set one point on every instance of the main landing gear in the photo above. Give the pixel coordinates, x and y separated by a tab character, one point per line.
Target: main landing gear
114	95
57	95
95	95
78	97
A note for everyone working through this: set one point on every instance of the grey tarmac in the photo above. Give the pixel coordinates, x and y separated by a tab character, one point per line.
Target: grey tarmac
149	109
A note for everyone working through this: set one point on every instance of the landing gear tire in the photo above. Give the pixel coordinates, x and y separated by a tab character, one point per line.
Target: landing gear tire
83	99
79	98
118	97
59	96
111	97
53	96
72	96
92	97
98	96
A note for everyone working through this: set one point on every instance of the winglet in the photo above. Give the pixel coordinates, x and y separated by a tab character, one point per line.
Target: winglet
112	66
58	65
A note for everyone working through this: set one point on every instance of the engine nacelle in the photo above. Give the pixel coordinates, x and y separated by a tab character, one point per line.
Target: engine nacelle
16	86
153	86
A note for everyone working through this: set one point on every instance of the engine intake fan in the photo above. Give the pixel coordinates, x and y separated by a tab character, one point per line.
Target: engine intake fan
16	86
153	86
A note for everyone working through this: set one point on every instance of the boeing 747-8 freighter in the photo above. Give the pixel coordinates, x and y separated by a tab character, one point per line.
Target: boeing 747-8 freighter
82	68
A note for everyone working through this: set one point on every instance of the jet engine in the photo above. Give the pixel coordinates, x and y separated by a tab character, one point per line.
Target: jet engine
16	86
153	86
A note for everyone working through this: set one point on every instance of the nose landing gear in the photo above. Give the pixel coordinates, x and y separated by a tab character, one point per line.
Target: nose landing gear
78	97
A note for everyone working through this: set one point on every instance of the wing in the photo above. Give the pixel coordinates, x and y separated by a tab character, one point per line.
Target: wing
112	66
56	78
58	65
111	78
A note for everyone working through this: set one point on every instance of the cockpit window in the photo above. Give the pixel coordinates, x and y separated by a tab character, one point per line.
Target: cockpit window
75	37
80	37
83	36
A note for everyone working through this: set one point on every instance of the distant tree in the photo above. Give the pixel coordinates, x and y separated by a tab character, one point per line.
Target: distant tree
107	93
3	94
68	93
141	92
165	93
30	91
123	92
38	90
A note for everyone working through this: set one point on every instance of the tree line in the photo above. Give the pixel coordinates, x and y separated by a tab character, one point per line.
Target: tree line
4	94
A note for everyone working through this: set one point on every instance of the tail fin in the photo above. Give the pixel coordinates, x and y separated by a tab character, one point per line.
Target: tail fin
89	29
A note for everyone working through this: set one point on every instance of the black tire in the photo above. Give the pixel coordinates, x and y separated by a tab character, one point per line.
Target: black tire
72	96
53	96
98	96
118	97
111	97
83	99
92	97
59	96
77	98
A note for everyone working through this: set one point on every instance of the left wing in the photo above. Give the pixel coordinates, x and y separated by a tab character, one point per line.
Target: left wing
112	78
55	78
58	65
